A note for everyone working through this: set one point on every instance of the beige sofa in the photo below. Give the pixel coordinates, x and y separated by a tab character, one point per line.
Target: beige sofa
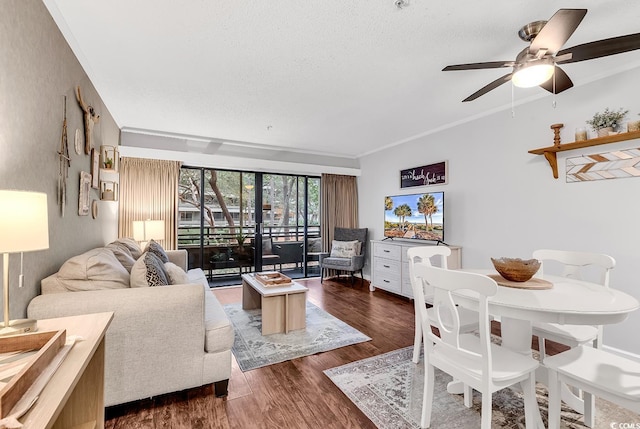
162	339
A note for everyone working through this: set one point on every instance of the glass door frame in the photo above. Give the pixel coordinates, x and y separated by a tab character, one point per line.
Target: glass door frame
258	214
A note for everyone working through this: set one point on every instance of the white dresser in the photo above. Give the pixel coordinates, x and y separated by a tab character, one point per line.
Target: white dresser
390	265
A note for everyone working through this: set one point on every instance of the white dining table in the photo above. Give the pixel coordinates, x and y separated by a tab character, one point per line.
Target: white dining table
569	301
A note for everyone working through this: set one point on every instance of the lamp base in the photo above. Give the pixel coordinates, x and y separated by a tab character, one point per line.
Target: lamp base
18	326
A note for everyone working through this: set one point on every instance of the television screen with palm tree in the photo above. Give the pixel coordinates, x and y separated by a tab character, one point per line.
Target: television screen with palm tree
415	216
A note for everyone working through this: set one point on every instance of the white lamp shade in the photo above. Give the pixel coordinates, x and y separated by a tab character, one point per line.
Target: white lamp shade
24	221
145	230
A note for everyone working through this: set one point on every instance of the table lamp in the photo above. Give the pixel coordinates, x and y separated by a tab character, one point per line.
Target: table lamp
145	230
24	227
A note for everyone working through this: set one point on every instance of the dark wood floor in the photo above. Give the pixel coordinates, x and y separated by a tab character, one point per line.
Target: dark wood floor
294	394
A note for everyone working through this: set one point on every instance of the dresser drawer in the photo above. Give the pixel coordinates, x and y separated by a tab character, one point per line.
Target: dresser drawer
387	266
407	290
389	251
387	281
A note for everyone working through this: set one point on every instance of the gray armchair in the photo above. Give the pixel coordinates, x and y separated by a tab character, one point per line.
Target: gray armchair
352	264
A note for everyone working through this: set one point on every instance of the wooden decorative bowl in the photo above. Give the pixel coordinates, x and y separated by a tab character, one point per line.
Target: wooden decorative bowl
516	269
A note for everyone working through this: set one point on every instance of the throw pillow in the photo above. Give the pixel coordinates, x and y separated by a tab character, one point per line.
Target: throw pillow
155	248
175	274
343	249
148	271
95	269
123	255
130	244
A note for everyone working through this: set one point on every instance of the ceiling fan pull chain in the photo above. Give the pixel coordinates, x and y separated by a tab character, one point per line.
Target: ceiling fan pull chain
553	102
513	109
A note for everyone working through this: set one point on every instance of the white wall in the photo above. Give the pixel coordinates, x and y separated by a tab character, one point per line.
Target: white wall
503	201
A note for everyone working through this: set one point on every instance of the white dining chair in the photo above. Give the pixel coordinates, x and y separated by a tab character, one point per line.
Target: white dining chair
472	359
596	372
423	254
573	264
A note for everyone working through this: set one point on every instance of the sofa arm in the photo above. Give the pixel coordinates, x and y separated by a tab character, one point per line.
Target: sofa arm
153	329
178	257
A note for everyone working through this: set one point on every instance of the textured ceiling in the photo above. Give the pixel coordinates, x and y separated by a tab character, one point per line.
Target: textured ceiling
344	78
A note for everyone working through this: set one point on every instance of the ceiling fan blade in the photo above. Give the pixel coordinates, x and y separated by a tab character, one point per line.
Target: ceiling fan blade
557	30
601	48
562	82
493	85
474	66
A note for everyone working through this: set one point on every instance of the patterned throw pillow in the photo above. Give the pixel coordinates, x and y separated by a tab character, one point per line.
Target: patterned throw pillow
155	248
344	249
156	275
148	271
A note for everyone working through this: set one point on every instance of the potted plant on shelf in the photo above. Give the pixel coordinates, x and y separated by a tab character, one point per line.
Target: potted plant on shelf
603	123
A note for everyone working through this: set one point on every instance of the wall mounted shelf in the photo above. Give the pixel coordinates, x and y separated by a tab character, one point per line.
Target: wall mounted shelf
550	153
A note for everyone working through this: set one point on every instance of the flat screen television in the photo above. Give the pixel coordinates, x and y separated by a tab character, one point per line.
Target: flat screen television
415	216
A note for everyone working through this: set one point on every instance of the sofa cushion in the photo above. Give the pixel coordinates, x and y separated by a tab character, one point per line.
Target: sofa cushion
196	275
155	248
175	274
95	269
219	334
337	262
148	271
130	244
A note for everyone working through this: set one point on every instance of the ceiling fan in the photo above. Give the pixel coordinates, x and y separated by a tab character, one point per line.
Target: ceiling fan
537	64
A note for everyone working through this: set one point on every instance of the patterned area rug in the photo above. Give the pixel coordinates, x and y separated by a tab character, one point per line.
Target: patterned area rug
388	389
253	350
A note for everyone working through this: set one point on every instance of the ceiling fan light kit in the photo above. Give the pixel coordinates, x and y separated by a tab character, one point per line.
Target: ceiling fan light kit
532	74
536	64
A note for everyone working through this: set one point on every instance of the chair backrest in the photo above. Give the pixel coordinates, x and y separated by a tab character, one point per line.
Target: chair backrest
267	246
423	254
447	319
574	263
351	234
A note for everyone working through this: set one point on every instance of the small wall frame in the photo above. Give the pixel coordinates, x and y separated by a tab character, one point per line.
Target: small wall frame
109	158
83	195
108	190
95	168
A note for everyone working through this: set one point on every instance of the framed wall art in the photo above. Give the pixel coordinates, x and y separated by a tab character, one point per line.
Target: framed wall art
83	196
603	166
432	174
95	168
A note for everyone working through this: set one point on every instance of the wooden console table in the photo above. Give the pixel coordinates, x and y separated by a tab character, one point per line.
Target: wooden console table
74	396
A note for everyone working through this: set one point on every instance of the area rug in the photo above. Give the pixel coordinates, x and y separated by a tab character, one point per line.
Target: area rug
253	350
388	390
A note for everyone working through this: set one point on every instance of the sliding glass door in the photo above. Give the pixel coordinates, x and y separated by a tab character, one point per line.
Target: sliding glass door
232	222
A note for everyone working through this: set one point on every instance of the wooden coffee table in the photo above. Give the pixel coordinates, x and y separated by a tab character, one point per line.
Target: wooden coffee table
284	308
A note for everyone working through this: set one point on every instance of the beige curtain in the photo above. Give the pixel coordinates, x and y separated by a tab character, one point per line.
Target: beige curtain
149	190
339	205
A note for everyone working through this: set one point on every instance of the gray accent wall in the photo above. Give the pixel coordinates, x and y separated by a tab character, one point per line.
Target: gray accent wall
37	69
